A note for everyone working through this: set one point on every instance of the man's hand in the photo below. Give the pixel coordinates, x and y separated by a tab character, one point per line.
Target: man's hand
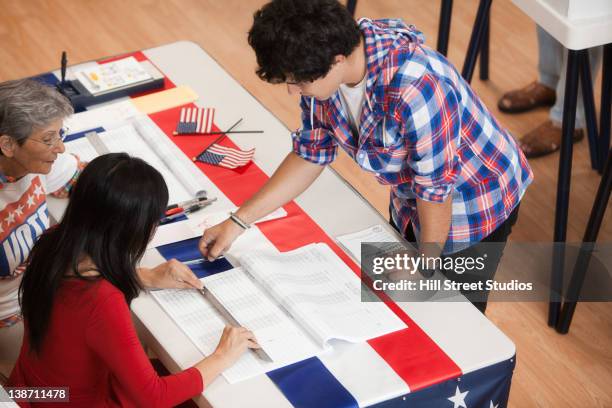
292	177
169	275
398	274
218	239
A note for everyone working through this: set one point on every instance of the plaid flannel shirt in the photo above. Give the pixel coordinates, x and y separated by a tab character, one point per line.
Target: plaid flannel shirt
424	132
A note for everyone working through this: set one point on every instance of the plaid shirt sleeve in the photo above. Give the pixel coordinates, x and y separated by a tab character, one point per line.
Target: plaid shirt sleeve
429	110
314	142
64	191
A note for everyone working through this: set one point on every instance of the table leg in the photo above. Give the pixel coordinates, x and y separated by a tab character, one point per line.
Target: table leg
606	104
444	24
589	109
586	249
484	49
351	5
563	185
475	40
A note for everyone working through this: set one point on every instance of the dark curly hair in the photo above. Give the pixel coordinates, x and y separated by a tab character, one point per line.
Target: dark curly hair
298	39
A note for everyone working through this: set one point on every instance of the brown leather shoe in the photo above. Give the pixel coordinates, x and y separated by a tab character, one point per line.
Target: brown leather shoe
545	139
530	97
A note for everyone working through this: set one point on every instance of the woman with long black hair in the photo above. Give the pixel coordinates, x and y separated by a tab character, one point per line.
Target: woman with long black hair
76	291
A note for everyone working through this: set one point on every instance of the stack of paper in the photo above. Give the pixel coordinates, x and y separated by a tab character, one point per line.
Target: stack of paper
294	302
142	138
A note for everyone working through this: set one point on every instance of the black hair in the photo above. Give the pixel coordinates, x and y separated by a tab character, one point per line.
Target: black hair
298	39
113	210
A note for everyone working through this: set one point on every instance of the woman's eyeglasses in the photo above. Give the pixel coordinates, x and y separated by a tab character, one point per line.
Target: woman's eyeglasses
52	141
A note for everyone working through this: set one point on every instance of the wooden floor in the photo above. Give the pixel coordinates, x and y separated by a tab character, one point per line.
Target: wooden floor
553	370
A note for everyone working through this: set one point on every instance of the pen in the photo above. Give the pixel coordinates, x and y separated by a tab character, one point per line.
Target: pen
199	206
186	203
200	261
183	210
64	64
176	212
170	218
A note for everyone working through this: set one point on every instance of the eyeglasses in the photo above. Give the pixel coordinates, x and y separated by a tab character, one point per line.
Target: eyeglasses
55	139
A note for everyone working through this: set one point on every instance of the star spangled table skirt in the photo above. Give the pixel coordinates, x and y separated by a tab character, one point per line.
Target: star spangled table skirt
405	368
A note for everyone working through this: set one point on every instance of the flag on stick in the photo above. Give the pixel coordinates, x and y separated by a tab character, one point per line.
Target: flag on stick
225	156
195	120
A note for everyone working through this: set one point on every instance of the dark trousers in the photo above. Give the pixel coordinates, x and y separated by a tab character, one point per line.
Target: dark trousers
491	248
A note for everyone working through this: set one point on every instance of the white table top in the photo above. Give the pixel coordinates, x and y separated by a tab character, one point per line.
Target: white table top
574	34
5	401
458	328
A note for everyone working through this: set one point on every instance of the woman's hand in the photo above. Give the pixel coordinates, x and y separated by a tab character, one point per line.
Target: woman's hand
234	341
169	275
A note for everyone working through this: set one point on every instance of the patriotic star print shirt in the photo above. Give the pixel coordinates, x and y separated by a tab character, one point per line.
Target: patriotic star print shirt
23	217
425	133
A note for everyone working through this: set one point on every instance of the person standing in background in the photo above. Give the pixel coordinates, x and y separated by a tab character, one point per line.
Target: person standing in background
548	90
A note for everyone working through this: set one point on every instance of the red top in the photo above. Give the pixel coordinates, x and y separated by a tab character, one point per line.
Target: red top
91	347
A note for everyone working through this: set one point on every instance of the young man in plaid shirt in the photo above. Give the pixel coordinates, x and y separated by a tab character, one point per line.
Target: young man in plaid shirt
402	112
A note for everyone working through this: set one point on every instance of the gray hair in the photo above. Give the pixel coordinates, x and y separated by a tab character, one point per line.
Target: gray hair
27	105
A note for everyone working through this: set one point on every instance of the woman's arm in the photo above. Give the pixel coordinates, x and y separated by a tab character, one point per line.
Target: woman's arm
111	335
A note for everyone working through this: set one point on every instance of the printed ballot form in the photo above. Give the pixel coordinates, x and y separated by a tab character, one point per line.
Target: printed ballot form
375	234
140	137
295	302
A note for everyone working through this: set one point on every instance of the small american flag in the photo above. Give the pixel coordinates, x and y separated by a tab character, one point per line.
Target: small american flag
195	120
225	156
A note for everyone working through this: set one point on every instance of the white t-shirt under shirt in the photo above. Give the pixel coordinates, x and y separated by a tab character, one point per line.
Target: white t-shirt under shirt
23	217
352	98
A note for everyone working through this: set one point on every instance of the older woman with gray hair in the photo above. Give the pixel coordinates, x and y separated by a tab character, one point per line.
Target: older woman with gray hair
34	164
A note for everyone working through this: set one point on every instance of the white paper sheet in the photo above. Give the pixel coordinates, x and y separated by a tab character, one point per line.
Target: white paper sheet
202	221
173	232
322	292
281	337
195	225
198	319
146	143
107	115
184	170
82	148
352	242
